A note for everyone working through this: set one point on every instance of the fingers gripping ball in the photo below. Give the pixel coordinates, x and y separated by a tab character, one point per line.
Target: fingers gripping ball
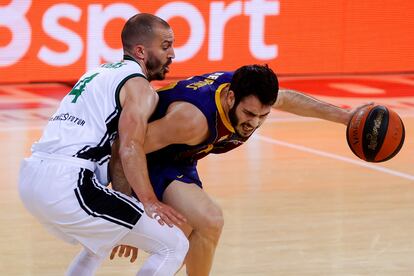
375	133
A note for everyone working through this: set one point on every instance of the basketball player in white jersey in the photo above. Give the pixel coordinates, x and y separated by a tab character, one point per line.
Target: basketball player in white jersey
58	184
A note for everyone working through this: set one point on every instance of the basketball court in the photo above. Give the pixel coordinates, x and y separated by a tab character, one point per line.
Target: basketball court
296	200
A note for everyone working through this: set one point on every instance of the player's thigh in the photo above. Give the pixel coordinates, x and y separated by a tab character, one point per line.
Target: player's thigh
193	202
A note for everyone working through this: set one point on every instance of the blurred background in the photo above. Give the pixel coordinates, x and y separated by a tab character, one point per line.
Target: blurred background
296	200
57	41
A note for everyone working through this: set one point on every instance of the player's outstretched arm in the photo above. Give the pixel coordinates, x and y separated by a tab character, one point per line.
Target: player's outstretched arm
304	105
138	101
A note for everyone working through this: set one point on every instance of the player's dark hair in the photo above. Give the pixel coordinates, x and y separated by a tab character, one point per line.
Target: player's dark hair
257	80
139	29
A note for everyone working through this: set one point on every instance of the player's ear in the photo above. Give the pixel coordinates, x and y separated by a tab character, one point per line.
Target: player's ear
230	98
139	51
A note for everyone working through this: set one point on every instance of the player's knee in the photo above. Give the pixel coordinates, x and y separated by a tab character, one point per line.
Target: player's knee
213	222
177	248
182	248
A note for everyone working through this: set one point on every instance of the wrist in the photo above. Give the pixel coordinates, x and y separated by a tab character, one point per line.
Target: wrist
346	117
148	201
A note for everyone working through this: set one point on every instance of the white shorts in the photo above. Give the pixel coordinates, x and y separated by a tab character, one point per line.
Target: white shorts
64	194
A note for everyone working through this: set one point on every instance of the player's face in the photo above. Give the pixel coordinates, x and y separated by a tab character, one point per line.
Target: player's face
248	115
160	54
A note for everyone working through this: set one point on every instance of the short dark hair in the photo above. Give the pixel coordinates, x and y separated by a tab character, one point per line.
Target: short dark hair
139	30
257	80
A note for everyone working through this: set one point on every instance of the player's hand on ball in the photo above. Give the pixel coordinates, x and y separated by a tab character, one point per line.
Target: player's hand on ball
125	251
356	109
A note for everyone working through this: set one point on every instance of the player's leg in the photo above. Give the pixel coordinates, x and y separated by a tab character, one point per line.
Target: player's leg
96	226
167	246
84	264
206	219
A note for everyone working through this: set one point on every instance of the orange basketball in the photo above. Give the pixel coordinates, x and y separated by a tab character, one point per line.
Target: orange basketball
375	133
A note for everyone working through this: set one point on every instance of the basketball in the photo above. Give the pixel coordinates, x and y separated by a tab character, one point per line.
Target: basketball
375	133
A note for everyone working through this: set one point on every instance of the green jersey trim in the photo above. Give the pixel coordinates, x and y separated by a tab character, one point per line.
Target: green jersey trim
121	84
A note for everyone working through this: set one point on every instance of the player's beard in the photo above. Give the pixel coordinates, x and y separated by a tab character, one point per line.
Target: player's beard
156	70
233	119
235	122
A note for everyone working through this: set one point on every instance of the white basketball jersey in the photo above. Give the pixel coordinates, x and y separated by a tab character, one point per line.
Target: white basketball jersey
86	122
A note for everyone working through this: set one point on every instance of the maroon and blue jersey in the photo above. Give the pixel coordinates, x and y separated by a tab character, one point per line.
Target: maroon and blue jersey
178	161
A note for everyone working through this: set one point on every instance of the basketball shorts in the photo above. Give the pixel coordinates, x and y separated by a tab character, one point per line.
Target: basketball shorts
64	194
162	174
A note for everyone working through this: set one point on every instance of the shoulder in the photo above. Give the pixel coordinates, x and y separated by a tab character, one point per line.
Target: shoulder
136	88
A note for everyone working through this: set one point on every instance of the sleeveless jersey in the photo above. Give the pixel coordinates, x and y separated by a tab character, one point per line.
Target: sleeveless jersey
86	122
203	92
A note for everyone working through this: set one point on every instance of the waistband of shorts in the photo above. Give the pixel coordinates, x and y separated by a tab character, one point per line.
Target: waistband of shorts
83	163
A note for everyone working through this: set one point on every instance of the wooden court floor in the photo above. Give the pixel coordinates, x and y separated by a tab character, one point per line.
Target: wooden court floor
296	200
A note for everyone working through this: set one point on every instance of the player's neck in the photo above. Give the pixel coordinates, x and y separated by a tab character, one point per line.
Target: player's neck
144	68
141	64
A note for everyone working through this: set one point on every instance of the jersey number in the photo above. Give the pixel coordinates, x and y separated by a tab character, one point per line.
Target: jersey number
79	87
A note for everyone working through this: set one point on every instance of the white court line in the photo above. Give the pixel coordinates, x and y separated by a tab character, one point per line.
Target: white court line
334	156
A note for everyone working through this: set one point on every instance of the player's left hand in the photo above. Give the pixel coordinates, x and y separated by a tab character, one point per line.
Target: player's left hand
164	213
125	251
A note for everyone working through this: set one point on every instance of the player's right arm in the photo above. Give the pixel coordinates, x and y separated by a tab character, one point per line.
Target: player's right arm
183	124
138	101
